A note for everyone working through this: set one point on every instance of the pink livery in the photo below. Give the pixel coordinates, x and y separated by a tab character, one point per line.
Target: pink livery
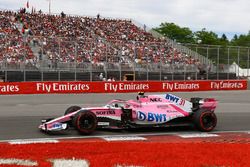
145	111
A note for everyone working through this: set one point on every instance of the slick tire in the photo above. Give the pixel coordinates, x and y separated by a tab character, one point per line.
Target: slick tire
205	121
85	122
72	109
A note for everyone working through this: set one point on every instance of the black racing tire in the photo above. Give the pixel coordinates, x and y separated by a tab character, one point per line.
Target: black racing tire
72	109
85	122
205	121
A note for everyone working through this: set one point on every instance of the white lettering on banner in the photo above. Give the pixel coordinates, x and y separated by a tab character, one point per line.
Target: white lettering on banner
180	86
70	87
43	87
61	87
110	86
226	85
125	86
9	88
167	86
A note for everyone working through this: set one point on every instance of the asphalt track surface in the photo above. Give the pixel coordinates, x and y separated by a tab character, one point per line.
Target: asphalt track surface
20	115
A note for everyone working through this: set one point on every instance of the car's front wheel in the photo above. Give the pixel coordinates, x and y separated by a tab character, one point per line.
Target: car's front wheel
205	120
85	122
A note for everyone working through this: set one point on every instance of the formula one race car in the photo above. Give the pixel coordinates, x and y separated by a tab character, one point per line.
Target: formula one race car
146	111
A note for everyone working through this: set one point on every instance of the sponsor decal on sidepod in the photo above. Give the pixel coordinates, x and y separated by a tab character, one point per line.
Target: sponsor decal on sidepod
151	117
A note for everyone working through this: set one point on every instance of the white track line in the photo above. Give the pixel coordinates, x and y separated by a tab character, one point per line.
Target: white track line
69	163
18	162
123	138
32	141
198	135
122	135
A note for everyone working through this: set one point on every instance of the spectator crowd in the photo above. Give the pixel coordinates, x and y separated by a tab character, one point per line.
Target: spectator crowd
66	39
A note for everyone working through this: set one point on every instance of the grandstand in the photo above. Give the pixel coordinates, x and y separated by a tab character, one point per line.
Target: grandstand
37	46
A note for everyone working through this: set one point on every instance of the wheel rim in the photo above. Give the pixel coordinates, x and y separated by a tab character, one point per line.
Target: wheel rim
208	121
86	122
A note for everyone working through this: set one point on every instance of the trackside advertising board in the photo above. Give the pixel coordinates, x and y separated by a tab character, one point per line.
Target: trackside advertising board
7	88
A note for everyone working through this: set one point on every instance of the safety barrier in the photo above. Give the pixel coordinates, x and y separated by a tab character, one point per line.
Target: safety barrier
119	87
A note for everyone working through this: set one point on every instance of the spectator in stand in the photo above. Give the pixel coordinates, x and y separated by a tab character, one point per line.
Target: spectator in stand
110	79
124	78
63	15
101	76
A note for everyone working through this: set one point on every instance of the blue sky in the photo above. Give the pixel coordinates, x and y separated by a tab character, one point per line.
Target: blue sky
221	16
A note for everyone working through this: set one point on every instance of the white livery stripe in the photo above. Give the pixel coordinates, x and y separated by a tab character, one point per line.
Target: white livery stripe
197	135
32	141
123	138
18	162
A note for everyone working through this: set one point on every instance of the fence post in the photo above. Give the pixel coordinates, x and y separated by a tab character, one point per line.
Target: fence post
42	64
207	64
41	74
120	66
6	75
75	59
106	65
172	63
147	62
228	54
218	62
91	57
160	67
59	75
238	62
197	69
24	69
248	62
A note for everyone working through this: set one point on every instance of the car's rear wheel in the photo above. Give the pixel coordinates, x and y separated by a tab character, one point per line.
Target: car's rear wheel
205	120
85	122
72	109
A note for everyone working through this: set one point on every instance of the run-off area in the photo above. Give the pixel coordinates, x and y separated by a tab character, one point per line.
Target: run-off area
153	153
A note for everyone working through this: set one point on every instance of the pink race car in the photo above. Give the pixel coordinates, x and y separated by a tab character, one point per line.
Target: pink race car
146	111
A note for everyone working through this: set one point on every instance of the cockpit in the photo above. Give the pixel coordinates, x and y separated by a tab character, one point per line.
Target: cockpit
117	104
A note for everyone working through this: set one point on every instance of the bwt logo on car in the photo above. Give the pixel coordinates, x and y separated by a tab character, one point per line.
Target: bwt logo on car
172	98
151	117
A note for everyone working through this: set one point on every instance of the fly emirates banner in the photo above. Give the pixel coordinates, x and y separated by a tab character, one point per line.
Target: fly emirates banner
119	87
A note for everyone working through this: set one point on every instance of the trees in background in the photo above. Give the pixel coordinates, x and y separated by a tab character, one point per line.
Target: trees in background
204	37
177	33
185	35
